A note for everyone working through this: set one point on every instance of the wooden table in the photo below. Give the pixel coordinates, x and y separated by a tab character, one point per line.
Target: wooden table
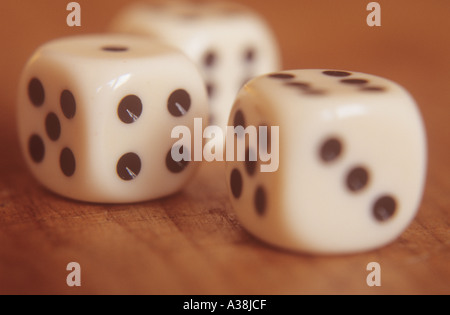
192	243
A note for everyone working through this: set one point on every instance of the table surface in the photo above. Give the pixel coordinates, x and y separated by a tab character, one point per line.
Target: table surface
192	243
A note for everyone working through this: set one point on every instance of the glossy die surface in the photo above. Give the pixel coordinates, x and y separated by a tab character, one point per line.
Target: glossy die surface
352	168
96	114
230	43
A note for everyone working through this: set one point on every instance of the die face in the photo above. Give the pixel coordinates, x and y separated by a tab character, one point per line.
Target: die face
255	195
127	103
47	116
352	160
229	43
353	164
176	98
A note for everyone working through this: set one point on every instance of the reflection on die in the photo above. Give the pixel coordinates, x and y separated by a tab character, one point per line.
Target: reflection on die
96	114
352	156
230	43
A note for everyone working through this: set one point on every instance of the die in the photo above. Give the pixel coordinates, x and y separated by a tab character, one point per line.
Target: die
230	43
352	161
95	115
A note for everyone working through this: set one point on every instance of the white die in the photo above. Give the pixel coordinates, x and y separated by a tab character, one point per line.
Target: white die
352	162
229	43
96	114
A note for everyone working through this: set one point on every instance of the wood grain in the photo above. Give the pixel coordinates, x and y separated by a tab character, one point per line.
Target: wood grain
192	243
